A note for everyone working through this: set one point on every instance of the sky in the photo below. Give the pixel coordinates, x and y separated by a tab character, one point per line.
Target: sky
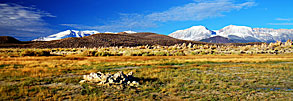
29	19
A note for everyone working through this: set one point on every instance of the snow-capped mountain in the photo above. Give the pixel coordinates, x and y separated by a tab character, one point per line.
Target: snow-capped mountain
240	31
130	32
269	35
73	33
194	33
66	34
236	33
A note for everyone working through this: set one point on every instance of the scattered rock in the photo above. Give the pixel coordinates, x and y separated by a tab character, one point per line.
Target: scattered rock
118	78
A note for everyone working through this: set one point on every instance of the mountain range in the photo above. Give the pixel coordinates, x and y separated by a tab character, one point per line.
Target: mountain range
233	33
72	33
123	39
228	34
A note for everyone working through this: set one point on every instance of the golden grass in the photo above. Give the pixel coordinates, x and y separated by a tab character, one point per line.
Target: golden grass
205	77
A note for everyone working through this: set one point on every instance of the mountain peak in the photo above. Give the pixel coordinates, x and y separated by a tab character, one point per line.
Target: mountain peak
200	26
194	33
241	31
66	34
130	32
236	27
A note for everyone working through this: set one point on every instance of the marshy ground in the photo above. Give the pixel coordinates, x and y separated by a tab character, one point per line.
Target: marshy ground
198	77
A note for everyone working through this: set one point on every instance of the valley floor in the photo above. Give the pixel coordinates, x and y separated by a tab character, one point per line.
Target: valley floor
198	77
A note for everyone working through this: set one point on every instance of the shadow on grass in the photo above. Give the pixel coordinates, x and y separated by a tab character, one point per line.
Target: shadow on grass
145	79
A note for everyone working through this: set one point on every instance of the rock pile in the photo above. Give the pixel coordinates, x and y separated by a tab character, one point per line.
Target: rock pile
118	78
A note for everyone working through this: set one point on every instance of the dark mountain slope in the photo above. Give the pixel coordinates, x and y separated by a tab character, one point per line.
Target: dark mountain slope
8	40
217	39
153	36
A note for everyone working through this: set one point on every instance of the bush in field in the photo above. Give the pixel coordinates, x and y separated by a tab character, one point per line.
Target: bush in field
27	53
115	53
179	54
146	54
35	53
89	53
175	50
103	54
195	52
100	53
42	53
129	53
162	54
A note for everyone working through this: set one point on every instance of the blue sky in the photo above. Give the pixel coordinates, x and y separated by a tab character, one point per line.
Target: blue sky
30	19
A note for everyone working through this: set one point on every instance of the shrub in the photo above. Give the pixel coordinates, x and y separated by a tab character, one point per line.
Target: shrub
88	53
147	54
27	53
42	53
179	54
103	54
162	54
35	53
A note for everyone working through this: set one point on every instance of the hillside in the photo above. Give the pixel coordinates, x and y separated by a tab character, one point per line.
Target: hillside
8	40
153	36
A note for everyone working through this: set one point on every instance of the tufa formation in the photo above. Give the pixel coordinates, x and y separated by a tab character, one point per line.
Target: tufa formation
118	78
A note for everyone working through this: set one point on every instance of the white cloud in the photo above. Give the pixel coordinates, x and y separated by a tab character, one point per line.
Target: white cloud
198	11
286	24
284	19
16	20
194	11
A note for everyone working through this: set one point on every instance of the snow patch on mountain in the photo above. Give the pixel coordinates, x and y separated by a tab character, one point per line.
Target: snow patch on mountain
195	33
130	32
67	34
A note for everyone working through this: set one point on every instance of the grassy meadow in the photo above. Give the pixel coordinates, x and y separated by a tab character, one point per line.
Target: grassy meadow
192	77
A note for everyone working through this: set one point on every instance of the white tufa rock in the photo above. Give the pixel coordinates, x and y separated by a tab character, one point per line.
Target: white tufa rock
109	79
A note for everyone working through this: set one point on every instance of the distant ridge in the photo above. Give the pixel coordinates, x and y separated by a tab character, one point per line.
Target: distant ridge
8	40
